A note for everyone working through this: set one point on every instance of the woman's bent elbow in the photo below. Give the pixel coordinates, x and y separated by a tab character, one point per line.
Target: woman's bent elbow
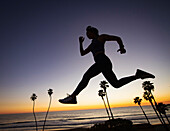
82	54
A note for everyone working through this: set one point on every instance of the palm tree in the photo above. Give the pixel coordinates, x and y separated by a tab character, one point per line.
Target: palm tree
33	98
162	108
102	94
147	96
50	92
149	87
138	101
104	85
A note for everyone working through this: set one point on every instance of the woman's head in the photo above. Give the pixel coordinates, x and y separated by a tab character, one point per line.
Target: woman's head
92	32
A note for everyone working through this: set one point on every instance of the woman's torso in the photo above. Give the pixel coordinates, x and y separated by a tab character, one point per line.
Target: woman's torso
97	47
98	51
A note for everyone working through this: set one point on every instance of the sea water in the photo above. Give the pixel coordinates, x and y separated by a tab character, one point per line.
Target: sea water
62	120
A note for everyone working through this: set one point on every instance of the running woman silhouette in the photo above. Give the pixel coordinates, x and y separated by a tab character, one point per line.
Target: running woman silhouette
102	63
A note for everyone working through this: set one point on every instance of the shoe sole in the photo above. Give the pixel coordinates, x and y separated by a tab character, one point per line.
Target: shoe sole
67	102
147	75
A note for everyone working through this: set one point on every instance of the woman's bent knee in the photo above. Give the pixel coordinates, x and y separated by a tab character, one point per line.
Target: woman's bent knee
116	85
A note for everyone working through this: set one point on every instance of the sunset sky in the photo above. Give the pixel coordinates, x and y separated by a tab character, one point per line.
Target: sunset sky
39	50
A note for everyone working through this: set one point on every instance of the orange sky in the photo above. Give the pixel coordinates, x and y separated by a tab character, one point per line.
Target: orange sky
27	107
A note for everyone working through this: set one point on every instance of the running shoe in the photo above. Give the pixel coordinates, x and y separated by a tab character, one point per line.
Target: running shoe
68	100
143	75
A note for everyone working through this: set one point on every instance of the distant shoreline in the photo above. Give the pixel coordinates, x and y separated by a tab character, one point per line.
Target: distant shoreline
13	113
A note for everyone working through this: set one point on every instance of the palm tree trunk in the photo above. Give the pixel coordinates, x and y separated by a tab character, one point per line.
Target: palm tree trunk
47	113
156	111
109	106
106	108
144	114
165	126
167	118
156	108
35	116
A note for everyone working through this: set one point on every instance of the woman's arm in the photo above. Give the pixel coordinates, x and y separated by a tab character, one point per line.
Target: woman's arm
82	51
106	37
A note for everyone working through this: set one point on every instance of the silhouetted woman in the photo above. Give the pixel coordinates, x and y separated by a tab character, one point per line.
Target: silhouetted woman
102	63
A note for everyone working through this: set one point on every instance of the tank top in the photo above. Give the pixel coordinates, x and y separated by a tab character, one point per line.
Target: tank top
96	46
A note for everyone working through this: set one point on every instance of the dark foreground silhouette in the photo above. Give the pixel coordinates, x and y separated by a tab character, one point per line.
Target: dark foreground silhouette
125	126
102	63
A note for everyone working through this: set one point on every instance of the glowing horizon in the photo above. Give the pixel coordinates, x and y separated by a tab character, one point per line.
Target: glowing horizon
76	107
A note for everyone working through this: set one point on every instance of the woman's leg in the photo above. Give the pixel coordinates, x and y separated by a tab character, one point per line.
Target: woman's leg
90	73
106	68
112	79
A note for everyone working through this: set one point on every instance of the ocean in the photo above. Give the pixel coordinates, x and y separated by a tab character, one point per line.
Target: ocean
61	120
